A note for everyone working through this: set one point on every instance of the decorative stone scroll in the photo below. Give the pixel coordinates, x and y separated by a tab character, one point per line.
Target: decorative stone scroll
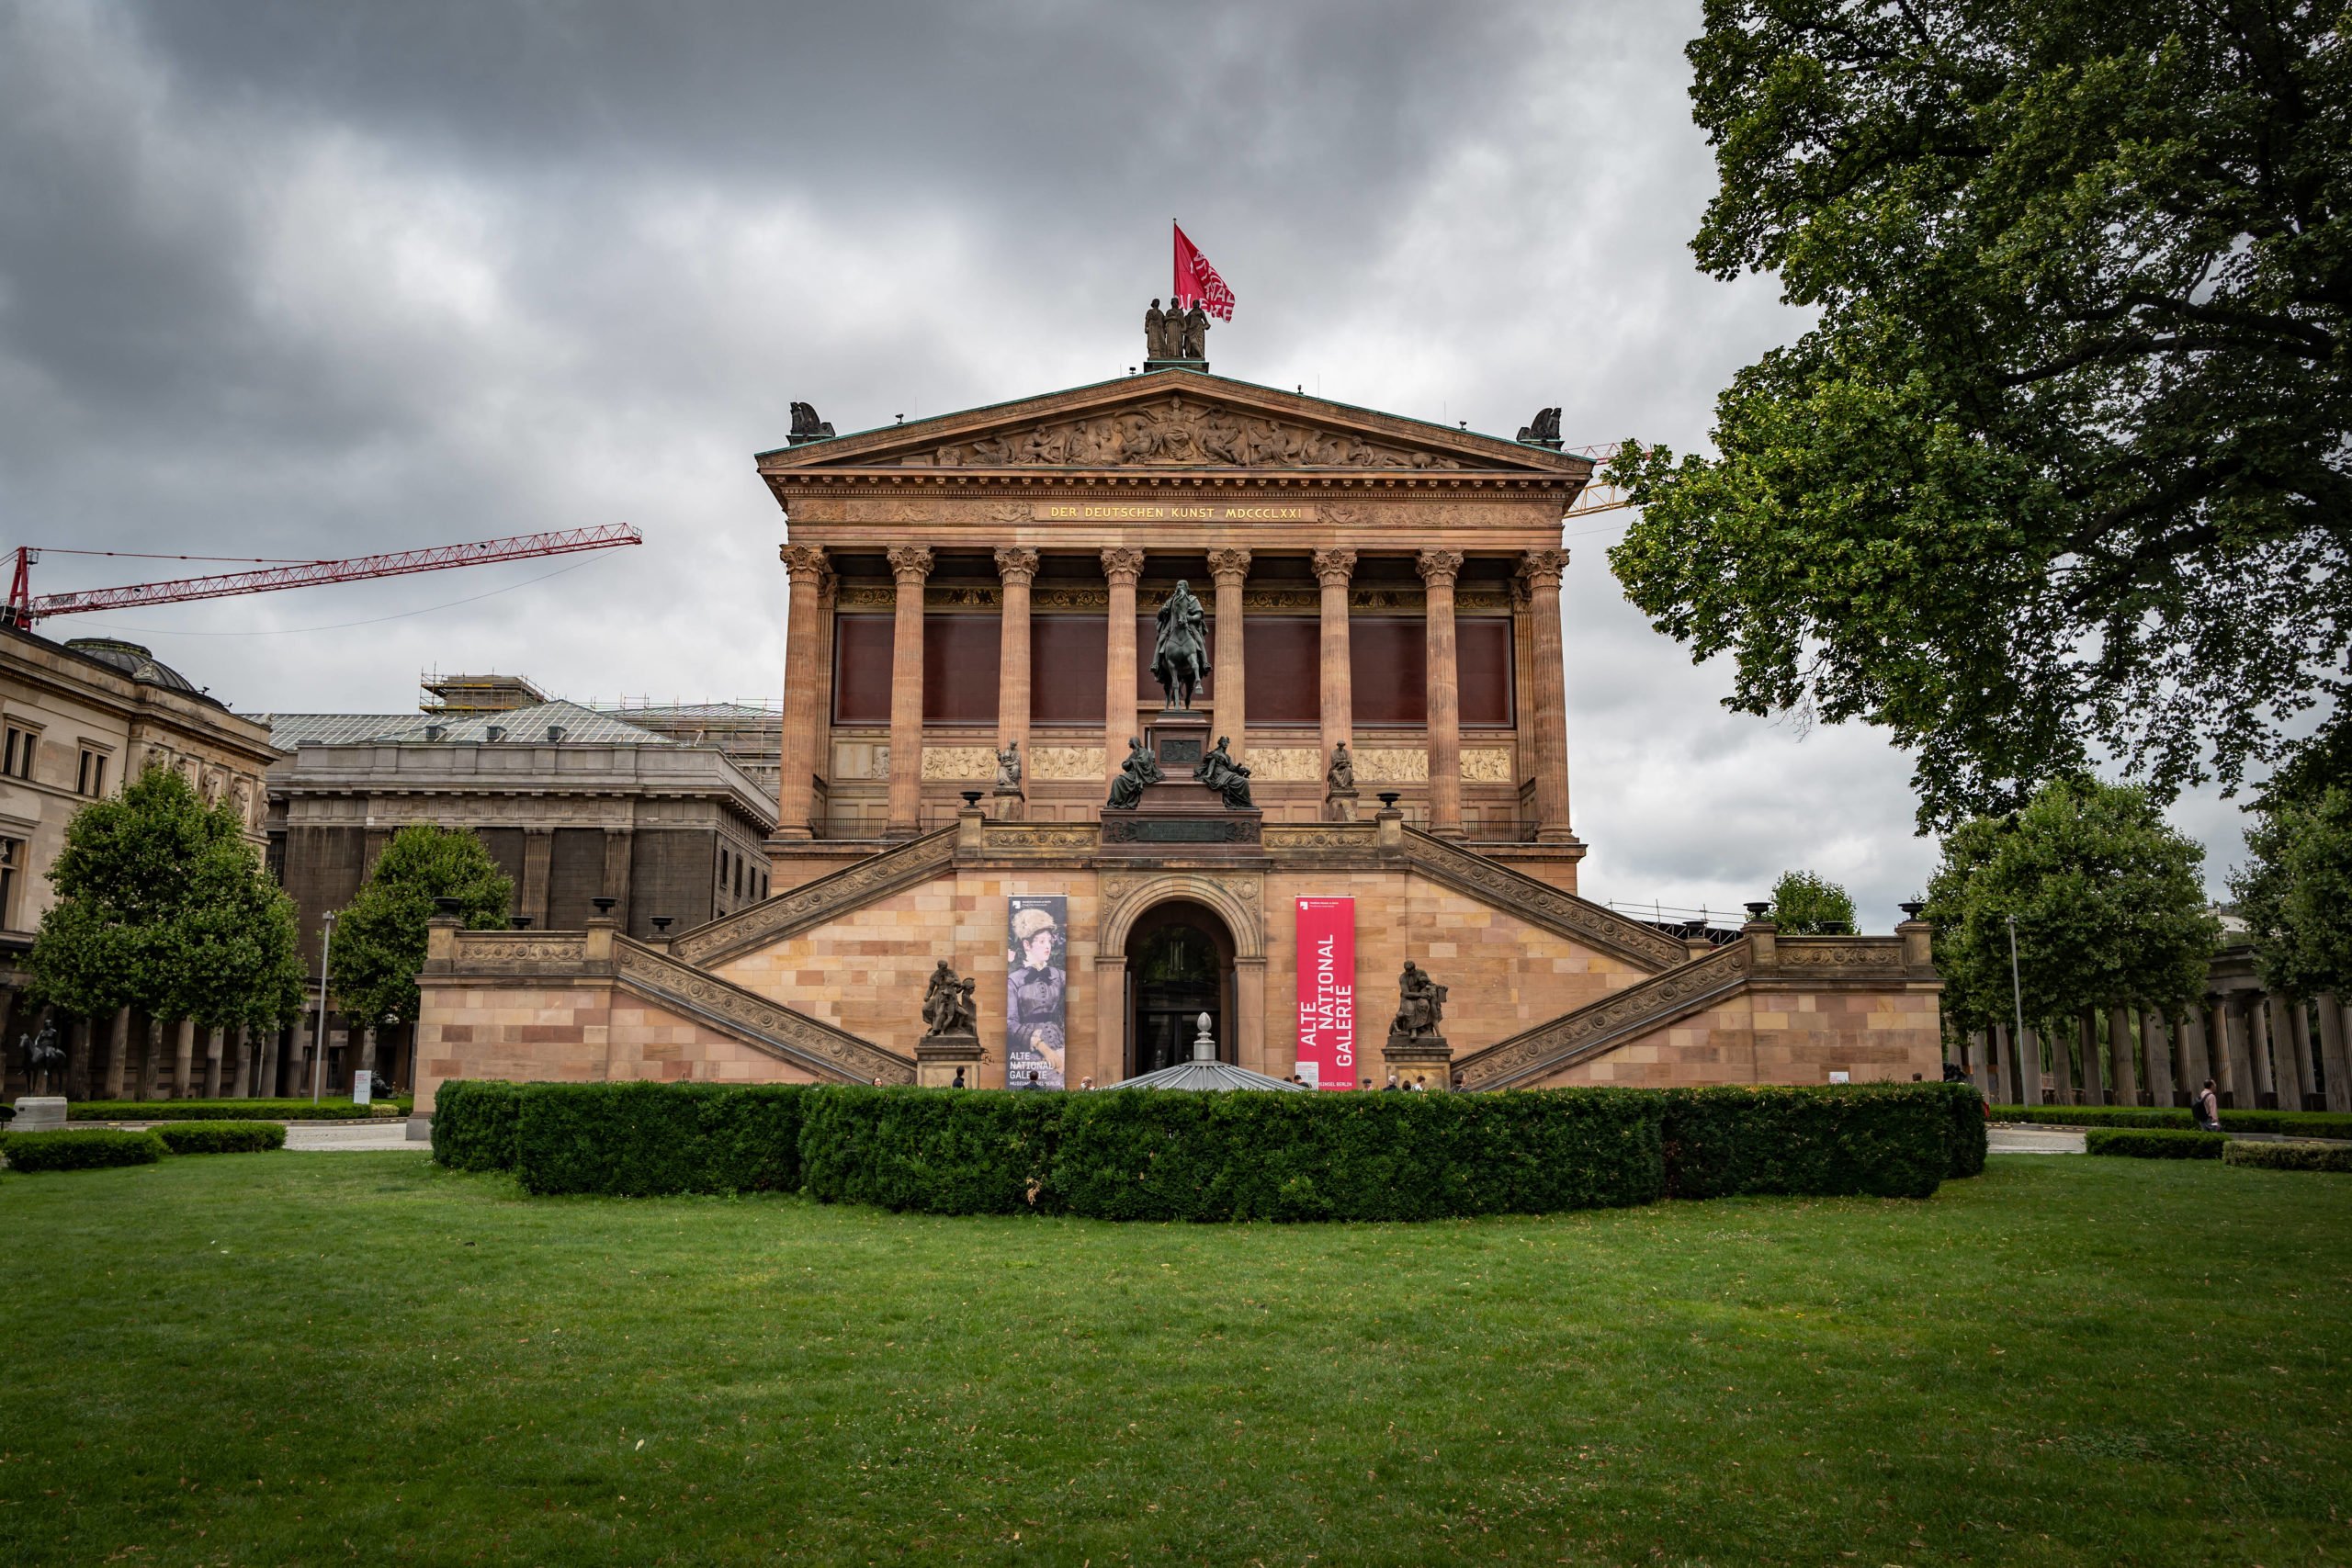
1590	1030
511	954
1177	432
756	1021
1539	903
827	897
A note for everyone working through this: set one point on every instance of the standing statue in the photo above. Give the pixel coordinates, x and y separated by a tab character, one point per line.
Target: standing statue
1341	779
1180	655
1008	770
41	1053
1154	334
1227	777
948	1007
1420	1005
1197	333
1141	768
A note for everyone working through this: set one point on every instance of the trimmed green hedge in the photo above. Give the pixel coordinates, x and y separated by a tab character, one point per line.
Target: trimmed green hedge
290	1110
642	1139
221	1137
2154	1143
1147	1155
473	1124
2308	1123
2289	1157
1878	1140
934	1151
79	1149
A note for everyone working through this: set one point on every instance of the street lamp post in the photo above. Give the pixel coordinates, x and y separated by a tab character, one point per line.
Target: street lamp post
318	1040
2017	998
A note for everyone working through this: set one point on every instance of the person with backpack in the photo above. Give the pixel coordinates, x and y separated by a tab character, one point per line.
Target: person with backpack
2206	1108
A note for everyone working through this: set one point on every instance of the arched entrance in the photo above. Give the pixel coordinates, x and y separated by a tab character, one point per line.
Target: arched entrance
1180	965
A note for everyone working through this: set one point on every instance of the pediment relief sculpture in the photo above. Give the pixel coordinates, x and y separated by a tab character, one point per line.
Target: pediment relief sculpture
1178	432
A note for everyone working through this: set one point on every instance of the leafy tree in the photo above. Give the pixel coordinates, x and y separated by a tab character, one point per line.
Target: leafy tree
1803	905
163	905
2061	469
2110	904
379	940
2296	895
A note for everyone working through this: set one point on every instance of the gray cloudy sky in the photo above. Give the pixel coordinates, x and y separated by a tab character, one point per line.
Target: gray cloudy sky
303	279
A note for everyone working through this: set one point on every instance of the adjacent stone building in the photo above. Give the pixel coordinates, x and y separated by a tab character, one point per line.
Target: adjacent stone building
970	623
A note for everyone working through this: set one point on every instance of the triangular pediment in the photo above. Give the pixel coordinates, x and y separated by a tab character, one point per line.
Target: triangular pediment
1173	420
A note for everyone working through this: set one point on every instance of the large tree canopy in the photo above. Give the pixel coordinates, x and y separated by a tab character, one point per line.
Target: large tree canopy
379	941
2296	894
163	905
2061	467
2109	901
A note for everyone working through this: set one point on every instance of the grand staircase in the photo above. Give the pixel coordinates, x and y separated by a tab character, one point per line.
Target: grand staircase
747	1016
1608	1023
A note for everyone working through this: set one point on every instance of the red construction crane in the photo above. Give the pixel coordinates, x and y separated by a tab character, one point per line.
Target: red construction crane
24	609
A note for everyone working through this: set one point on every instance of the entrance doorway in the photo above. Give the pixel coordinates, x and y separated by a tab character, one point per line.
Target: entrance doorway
1180	959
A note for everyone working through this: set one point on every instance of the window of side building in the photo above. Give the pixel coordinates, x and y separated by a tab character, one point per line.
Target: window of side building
90	777
12	855
16	751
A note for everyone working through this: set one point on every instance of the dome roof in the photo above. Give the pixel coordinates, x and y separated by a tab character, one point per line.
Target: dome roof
133	660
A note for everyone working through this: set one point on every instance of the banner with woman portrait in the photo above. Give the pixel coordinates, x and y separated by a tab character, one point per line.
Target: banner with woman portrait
1037	986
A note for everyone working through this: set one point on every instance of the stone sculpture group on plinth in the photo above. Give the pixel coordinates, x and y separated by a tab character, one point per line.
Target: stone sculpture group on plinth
1417	1053
950	1046
1175	334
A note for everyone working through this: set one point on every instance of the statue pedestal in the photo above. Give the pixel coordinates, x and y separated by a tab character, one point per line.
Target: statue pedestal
1151	365
1007	806
1178	739
1339	806
938	1056
38	1112
1426	1057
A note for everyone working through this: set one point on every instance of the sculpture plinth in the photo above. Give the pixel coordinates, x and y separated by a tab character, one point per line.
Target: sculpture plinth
1179	814
938	1057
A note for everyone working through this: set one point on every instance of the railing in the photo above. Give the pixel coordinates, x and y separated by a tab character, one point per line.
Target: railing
813	903
1541	904
1609	1022
752	1019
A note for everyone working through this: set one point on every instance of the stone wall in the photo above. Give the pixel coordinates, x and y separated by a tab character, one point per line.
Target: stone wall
1774	1034
588	1031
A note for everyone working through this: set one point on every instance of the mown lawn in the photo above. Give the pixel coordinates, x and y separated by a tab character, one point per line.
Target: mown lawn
291	1358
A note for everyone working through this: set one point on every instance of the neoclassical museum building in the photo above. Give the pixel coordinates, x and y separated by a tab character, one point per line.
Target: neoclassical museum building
975	604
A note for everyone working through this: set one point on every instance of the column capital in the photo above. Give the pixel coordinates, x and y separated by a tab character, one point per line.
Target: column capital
1122	565
1015	564
1542	569
910	563
1333	568
1234	564
805	562
1439	568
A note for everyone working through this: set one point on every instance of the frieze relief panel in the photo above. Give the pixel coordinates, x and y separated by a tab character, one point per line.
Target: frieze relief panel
1395	766
1284	764
520	952
1195	435
958	762
865	760
1063	763
1486	764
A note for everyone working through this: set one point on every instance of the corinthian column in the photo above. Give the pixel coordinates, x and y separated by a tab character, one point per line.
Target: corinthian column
1017	569
1332	570
1547	720
1438	570
1122	567
796	794
911	565
1231	569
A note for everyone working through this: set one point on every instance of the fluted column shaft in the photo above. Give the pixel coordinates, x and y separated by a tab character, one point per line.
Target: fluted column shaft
2121	1080
910	566
2155	1048
1016	569
1438	570
2333	1053
1332	570
1230	570
1548	703
2292	1041
2257	1046
796	790
1121	568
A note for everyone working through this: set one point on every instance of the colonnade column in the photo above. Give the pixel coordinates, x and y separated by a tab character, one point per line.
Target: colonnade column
2122	1080
2230	1071
1015	569
242	1081
1122	567
2030	1067
183	1057
2257	1047
1332	570
795	795
2155	1045
2291	1048
2333	1054
910	566
215	1046
2196	1062
1549	702
1438	570
1230	570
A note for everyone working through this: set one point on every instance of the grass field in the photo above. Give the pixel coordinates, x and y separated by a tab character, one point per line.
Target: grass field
285	1357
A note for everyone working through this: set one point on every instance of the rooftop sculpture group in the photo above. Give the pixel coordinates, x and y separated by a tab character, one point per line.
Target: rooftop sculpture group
1176	332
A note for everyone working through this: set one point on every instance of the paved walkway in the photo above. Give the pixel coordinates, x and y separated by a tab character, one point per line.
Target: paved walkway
2008	1138
312	1136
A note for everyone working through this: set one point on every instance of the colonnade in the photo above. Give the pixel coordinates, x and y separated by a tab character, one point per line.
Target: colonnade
814	590
124	1057
2264	1050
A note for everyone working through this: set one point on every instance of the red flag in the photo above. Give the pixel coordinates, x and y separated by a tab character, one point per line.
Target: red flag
1195	280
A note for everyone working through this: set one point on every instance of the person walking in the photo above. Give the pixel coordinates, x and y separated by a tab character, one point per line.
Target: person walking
2206	1108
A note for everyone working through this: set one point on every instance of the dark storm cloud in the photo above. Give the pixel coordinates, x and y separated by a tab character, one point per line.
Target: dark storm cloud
315	279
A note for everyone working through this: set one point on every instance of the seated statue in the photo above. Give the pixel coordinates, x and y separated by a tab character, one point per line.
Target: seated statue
1140	769
1008	770
1341	779
1420	1005
1228	778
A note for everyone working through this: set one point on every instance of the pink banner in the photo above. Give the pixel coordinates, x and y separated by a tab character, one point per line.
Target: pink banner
1326	992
